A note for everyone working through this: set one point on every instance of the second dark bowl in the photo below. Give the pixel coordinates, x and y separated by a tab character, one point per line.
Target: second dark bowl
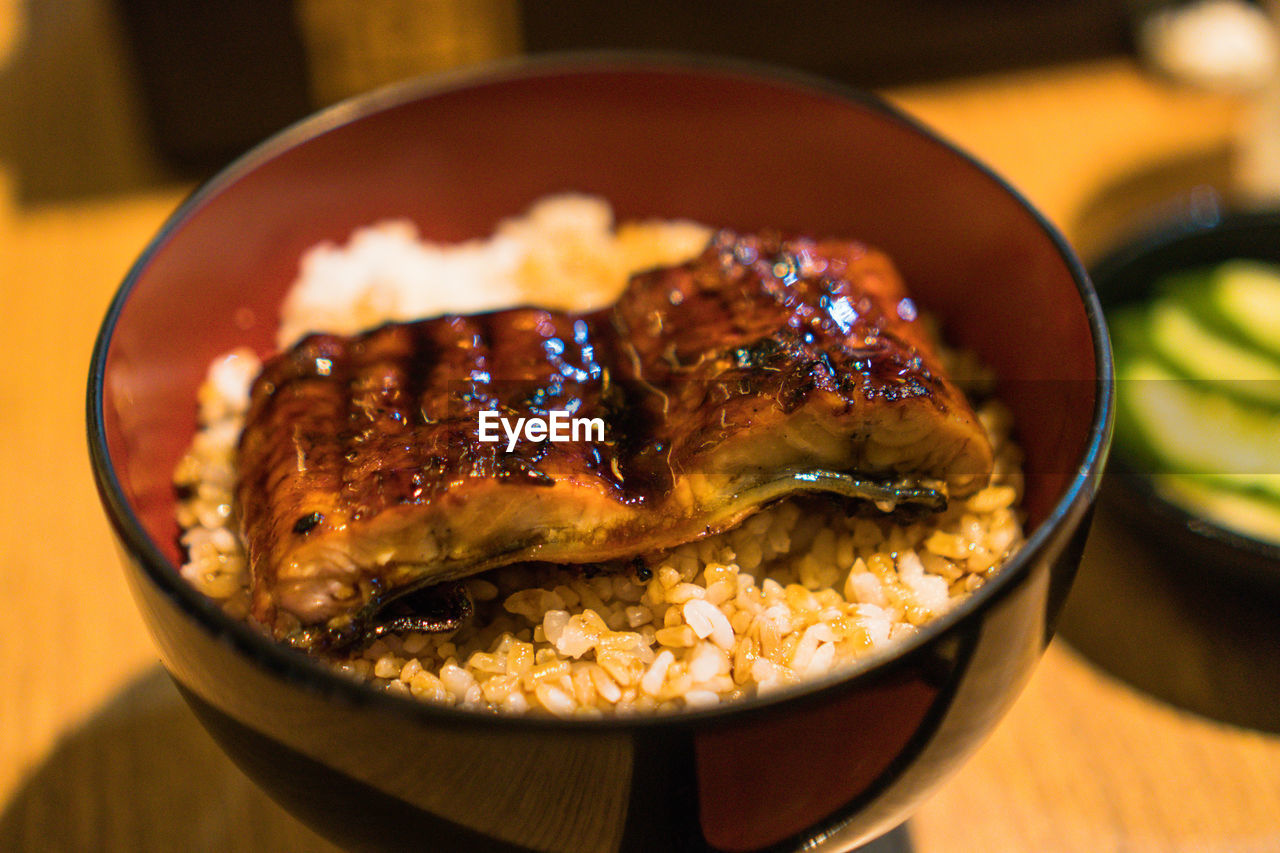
1185	540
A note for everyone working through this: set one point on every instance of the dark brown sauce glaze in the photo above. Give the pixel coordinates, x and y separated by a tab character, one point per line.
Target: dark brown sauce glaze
390	417
753	318
760	325
762	359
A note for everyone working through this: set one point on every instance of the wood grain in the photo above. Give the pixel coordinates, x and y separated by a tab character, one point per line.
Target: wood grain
97	752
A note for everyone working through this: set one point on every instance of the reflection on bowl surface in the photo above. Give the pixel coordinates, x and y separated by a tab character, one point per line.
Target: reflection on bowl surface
841	760
1193	481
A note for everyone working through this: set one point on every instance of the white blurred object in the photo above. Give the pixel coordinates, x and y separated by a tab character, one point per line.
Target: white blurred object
1219	44
1257	160
1257	166
1229	46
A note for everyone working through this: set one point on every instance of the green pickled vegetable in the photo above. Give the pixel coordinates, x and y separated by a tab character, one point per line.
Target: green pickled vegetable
1198	399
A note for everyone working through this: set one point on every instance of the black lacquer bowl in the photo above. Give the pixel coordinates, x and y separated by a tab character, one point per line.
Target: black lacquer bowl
1185	540
837	762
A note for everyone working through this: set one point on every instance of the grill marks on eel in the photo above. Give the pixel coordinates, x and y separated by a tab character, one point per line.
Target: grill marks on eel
801	353
762	368
360	464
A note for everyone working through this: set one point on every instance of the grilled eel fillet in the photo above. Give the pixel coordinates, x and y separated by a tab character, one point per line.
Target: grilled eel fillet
765	367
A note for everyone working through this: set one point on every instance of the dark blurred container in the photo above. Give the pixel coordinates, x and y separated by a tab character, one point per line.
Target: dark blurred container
870	44
217	78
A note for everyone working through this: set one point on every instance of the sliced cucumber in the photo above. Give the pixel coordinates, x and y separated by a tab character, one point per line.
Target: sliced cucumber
1129	330
1246	294
1198	396
1249	513
1182	428
1199	353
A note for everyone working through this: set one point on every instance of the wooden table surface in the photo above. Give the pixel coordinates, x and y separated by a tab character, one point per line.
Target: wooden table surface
97	751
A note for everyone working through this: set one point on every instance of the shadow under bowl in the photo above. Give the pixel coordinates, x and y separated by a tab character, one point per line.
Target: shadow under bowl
1185	540
835	762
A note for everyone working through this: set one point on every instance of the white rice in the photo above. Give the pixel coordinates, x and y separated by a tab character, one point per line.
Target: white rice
564	253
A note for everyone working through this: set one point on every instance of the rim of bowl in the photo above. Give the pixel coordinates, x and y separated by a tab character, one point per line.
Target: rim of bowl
297	667
1111	270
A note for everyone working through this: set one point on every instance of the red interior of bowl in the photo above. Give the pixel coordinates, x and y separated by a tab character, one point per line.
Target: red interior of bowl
719	147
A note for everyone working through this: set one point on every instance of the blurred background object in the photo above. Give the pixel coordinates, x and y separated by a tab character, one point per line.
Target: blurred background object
218	77
355	47
98	96
214	75
10	28
70	122
1225	44
1258	170
339	48
870	44
103	95
1230	46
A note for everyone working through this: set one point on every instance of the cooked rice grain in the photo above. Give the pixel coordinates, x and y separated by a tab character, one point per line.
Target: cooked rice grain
799	590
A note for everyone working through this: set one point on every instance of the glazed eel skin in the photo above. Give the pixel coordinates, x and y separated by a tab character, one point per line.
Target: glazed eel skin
765	367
